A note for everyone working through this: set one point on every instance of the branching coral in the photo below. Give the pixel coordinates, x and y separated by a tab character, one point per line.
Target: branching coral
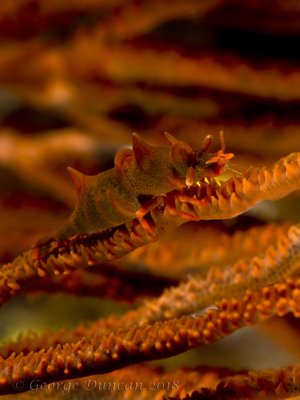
209	201
191	241
104	350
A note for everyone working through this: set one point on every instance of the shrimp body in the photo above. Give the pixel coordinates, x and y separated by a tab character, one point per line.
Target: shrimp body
114	196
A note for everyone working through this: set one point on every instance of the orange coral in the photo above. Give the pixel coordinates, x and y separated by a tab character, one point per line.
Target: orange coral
76	80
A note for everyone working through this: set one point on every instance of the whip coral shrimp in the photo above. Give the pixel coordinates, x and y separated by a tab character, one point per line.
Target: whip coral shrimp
140	176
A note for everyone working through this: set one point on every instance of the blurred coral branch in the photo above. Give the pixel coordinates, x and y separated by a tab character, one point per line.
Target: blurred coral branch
193	258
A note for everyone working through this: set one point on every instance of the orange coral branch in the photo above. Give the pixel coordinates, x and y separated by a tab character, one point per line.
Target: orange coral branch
106	352
197	293
109	282
271	384
131	18
138	382
191	297
239	193
209	201
111	67
85	56
173	257
114	18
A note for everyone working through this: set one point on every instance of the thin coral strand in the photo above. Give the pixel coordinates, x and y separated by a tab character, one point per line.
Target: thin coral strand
105	353
85	54
268	384
189	298
209	201
173	257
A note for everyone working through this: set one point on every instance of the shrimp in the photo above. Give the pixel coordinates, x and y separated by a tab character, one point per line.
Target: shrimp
140	176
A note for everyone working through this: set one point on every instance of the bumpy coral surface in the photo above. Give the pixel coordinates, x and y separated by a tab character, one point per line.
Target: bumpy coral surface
137	263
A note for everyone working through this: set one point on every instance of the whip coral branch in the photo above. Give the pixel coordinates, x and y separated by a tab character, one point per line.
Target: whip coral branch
131	18
197	293
190	297
239	193
173	257
150	262
164	384
118	18
275	384
210	201
104	353
85	57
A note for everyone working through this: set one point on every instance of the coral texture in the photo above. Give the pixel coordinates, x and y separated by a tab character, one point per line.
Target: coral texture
137	263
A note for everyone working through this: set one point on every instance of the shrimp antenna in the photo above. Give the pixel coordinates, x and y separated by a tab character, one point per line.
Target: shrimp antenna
222	141
206	143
